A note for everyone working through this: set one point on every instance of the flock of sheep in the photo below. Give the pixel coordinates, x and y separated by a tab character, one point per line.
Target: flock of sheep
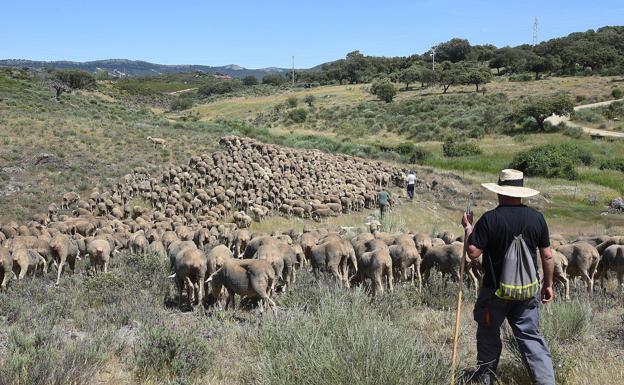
198	216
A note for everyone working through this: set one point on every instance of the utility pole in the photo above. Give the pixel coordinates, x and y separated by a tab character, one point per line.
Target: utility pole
535	30
293	71
432	54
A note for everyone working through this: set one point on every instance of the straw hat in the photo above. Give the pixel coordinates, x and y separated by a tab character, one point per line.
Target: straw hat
511	183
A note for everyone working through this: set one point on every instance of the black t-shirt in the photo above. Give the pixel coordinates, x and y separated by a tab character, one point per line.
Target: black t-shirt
496	229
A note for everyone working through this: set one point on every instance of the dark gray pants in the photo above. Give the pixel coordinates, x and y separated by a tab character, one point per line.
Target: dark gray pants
490	312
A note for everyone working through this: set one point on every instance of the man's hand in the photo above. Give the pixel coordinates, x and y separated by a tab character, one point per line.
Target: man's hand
547	294
467	219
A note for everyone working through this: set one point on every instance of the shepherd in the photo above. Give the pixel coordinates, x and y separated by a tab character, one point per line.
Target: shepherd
508	238
410	182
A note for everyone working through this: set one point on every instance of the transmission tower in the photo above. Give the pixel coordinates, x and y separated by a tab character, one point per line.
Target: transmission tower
535	30
293	70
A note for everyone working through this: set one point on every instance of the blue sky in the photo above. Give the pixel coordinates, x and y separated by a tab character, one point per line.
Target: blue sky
266	33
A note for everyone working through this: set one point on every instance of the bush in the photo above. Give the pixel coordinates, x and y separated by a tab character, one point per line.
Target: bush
163	352
334	337
617	93
613	164
552	160
76	79
453	148
574	132
309	99
250	80
181	103
220	87
298	115
589	115
524	77
412	152
292	102
273	80
384	89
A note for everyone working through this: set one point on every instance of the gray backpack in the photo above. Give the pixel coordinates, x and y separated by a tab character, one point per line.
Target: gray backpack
519	280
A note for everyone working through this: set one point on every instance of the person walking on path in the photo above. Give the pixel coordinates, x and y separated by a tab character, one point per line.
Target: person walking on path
511	223
383	198
410	183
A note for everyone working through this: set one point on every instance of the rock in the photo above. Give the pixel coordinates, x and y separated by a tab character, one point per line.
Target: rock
616	206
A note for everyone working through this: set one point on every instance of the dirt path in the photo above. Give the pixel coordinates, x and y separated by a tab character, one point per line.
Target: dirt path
556	119
182	91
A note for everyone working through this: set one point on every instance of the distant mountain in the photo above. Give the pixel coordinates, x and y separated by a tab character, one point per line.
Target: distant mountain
124	67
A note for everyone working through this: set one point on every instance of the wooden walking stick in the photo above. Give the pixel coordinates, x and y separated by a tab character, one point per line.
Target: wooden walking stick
459	301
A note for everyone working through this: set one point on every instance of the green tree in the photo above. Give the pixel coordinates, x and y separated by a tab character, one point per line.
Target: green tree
498	61
355	64
454	50
450	74
539	65
250	80
409	75
478	76
384	89
426	77
273	79
543	107
292	101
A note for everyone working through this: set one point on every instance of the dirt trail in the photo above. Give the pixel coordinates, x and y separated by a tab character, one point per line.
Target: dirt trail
182	91
556	119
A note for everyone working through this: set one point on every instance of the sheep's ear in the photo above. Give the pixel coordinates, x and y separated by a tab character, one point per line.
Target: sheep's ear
209	279
172	275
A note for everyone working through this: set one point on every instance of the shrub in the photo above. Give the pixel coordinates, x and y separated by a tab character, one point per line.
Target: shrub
298	115
309	99
181	103
411	152
524	77
384	89
453	148
552	160
573	132
218	87
333	336
163	352
273	80
613	164
76	79
617	93
292	102
589	115
250	80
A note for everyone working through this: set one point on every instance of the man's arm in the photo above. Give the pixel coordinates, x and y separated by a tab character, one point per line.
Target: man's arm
472	251
548	265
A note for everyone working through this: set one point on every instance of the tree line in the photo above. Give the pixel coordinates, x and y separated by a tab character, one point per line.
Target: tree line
459	62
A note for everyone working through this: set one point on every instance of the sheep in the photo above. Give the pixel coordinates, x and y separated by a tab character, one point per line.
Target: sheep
157	142
247	278
64	250
6	267
99	251
190	271
583	259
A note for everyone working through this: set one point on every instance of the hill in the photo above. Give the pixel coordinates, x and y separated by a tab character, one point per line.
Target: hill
124	67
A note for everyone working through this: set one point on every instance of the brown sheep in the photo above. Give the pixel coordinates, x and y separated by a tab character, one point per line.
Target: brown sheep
64	250
99	251
333	256
376	265
447	259
27	261
190	271
6	267
583	261
405	256
612	259
252	278
216	257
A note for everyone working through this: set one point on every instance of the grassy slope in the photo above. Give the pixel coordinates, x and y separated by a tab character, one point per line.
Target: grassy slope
128	331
